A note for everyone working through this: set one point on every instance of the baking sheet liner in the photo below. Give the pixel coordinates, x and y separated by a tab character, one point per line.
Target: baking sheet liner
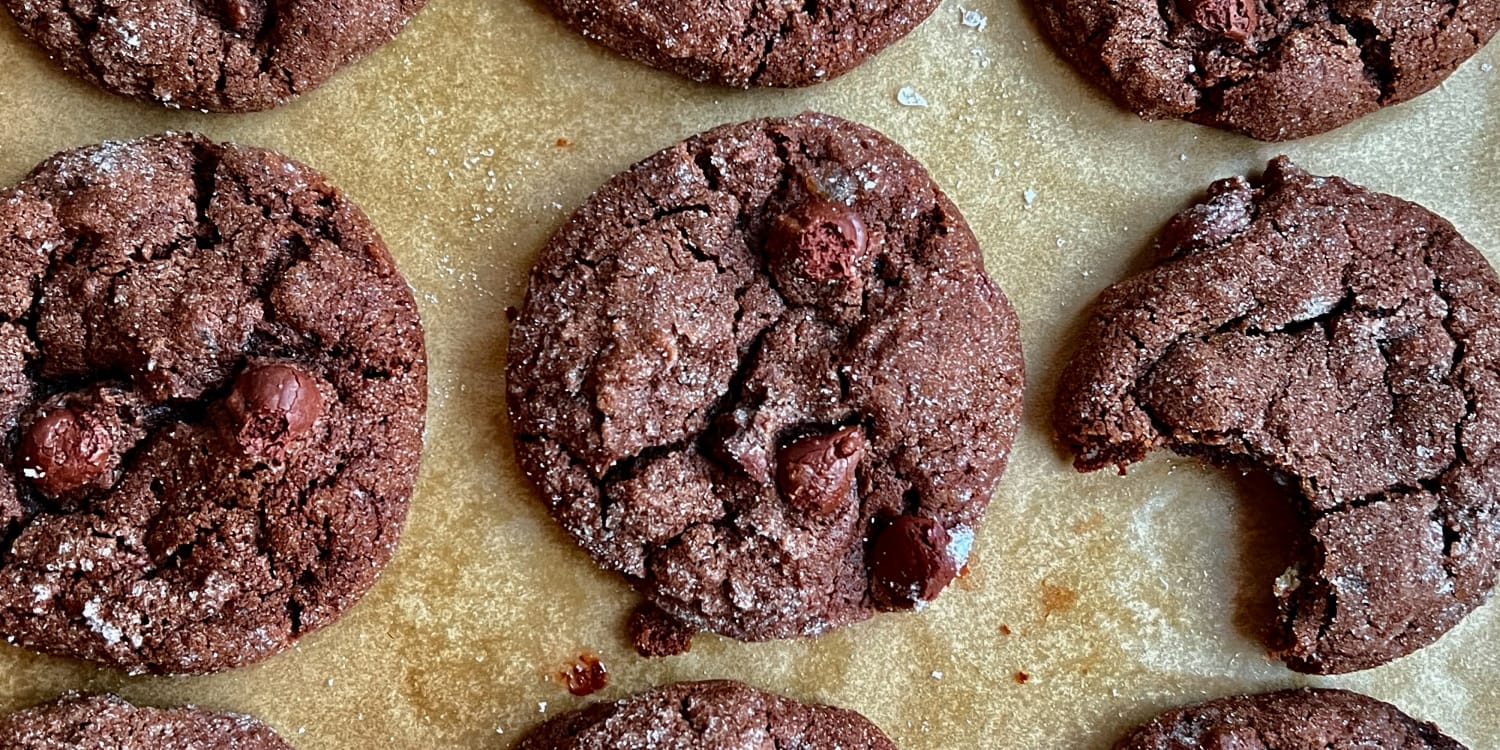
474	135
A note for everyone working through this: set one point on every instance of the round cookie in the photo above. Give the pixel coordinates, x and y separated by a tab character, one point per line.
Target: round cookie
1273	71
215	55
718	715
744	43
1346	342
212	389
76	722
1289	720
764	376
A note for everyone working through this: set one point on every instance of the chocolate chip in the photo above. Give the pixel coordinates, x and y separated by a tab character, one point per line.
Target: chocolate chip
819	251
816	473
910	563
274	405
245	17
1231	19
63	451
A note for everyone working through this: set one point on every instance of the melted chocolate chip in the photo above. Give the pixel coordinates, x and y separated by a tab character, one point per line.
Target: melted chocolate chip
910	563
274	405
63	451
586	676
245	17
1231	19
817	473
820	252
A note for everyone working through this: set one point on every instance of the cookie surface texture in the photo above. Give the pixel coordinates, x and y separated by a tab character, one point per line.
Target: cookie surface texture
764	375
1307	719
1273	71
1345	342
743	43
212	386
717	715
217	55
109	723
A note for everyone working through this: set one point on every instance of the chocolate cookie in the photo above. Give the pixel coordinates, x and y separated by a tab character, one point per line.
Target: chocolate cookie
212	388
218	55
1273	71
76	722
707	716
764	375
1289	720
746	43
1349	344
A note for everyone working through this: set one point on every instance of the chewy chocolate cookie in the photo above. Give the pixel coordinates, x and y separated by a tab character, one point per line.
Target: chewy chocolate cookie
1289	720
1273	71
746	43
717	715
217	55
764	375
76	722
212	388
1348	343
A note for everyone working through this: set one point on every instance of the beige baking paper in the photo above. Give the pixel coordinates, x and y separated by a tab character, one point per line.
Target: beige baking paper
474	135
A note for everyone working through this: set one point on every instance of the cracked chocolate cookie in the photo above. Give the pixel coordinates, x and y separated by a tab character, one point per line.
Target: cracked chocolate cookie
1348	343
1289	720
216	55
212	389
764	375
76	722
1273	71
746	43
718	715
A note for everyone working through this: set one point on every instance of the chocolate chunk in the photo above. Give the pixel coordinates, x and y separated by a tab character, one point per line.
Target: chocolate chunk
820	252
1231	19
816	474
910	563
1289	720
274	405
64	450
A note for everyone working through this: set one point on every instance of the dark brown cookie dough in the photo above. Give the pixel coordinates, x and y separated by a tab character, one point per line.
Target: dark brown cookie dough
764	375
1273	71
717	715
1348	343
1307	719
76	722
746	43
217	55
212	388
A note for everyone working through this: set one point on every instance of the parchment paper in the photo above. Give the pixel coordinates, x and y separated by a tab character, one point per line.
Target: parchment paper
474	135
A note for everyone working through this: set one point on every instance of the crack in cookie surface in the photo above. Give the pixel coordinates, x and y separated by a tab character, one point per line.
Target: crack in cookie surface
1346	342
1273	71
819	305
212	387
218	55
743	43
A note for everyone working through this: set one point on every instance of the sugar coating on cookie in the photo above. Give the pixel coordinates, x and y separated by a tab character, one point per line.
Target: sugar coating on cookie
1289	720
745	43
107	722
1273	71
212	387
1346	342
763	375
719	715
217	55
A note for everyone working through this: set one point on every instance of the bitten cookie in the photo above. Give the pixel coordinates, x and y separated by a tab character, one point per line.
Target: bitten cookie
708	716
217	55
1348	343
1289	720
747	43
764	375
212	388
77	722
1273	71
